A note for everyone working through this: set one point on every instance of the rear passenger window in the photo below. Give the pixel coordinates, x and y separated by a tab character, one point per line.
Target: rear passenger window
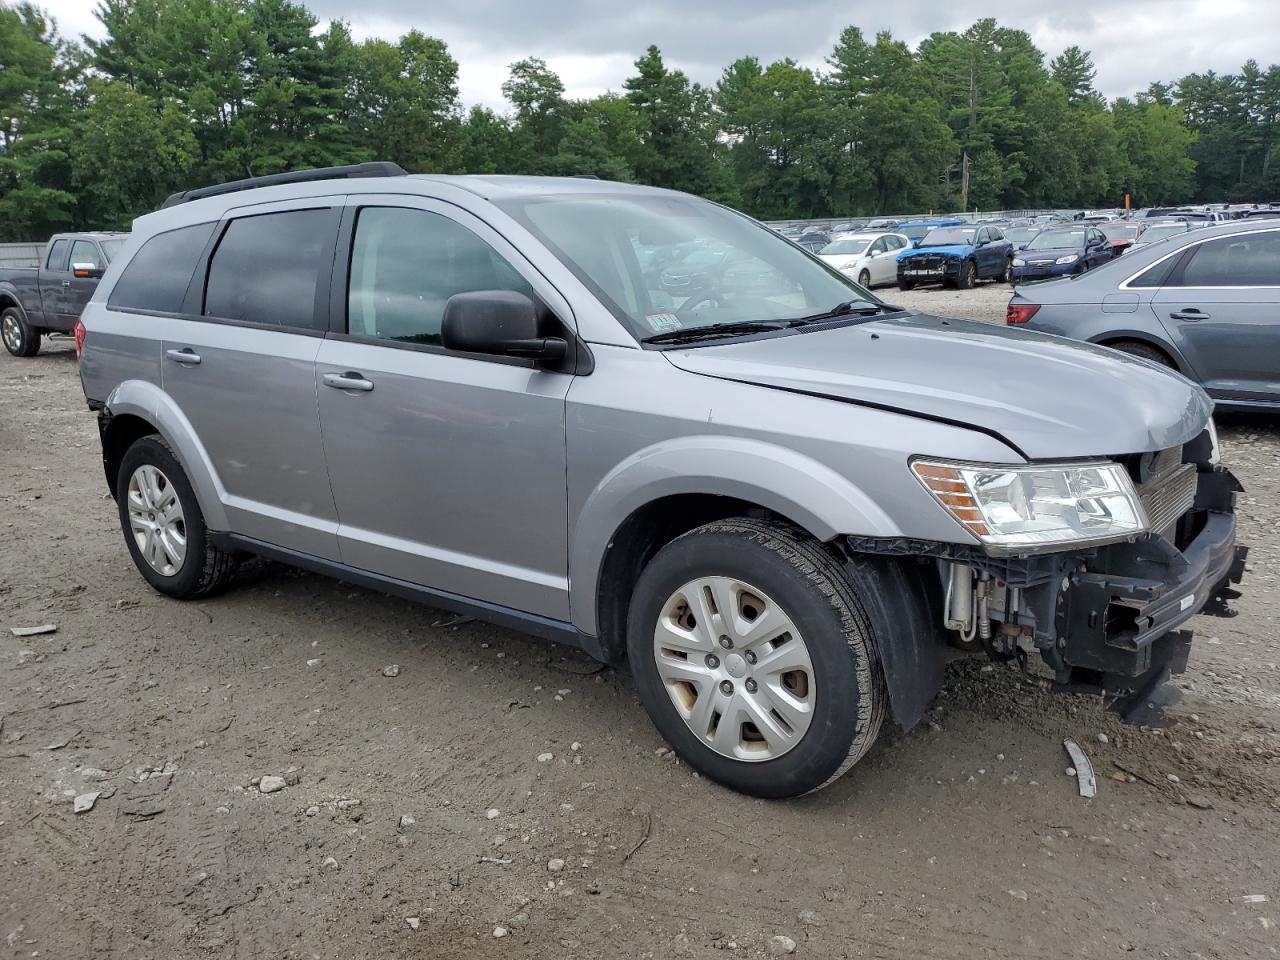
406	264
57	256
267	268
1245	260
159	273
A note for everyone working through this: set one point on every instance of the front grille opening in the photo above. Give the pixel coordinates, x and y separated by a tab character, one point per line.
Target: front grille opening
1120	620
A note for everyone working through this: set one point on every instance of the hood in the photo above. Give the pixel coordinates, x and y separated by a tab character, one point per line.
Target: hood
1047	397
1051	253
957	250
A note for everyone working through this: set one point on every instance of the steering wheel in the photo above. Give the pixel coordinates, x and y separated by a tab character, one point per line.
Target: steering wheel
708	295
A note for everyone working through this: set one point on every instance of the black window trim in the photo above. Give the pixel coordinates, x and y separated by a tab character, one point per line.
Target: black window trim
320	305
579	361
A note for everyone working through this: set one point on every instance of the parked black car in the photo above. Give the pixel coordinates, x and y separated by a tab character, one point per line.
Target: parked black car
1204	302
48	295
1060	251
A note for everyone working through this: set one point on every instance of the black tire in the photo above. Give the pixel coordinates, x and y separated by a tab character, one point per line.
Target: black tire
1007	276
864	279
205	567
1136	348
20	339
906	285
968	276
850	698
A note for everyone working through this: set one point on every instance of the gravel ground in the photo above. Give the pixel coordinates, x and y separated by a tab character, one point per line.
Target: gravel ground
502	797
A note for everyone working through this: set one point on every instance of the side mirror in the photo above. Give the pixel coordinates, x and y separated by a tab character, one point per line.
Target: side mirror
85	270
499	322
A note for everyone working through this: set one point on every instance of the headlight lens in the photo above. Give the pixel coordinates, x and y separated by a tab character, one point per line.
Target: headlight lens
1069	258
1019	262
1034	508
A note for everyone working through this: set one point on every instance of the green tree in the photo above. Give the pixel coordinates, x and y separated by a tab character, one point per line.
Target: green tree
1073	70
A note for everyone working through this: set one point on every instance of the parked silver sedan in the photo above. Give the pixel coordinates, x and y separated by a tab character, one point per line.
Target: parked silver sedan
1205	302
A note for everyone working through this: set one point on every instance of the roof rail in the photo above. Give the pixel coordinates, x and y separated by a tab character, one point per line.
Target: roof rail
377	168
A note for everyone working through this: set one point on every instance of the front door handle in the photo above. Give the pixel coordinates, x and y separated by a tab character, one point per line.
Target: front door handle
1189	313
348	381
66	283
186	356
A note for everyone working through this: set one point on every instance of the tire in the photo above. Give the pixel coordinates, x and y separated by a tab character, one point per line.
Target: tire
1007	276
968	276
774	570
864	279
1136	348
203	567
906	285
20	339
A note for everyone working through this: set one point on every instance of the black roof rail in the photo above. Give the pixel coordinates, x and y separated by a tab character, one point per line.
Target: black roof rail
377	168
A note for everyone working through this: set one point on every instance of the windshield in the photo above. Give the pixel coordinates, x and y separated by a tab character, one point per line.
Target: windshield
1053	239
1119	231
667	263
1020	234
1160	231
850	247
945	236
111	247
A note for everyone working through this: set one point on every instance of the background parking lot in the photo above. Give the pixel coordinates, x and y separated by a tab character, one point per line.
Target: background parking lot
500	796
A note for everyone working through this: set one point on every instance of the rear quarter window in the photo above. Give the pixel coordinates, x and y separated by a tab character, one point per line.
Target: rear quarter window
157	277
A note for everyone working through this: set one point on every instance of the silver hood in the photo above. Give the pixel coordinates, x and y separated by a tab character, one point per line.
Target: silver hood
1047	397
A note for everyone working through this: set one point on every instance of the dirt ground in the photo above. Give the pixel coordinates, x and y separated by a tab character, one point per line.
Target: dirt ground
420	817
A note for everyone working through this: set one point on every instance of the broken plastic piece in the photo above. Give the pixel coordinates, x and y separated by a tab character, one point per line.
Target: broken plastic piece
1084	769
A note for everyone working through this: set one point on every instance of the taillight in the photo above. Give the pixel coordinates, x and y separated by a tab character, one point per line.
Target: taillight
79	331
1020	312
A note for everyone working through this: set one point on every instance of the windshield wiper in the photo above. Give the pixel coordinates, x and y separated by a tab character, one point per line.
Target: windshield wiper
715	330
860	307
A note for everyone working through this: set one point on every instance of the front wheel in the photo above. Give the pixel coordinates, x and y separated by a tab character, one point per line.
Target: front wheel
163	525
906	285
18	336
1007	276
968	276
864	279
755	659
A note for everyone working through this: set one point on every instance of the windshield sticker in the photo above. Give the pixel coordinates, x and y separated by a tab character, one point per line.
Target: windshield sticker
662	322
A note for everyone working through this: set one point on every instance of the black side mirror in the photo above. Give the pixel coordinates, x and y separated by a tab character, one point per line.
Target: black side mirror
500	322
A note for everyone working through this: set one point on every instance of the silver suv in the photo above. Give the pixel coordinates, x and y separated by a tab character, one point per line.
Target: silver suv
643	424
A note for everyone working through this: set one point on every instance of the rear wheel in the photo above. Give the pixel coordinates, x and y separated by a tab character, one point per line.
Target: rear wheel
18	336
864	279
1146	351
163	526
754	658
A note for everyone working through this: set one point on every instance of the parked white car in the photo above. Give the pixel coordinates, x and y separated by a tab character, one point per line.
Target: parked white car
869	258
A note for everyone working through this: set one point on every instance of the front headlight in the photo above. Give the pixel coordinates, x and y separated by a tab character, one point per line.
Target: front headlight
1069	258
1036	508
1019	262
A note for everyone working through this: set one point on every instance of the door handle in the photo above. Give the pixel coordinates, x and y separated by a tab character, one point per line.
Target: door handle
186	356
348	381
66	283
1189	313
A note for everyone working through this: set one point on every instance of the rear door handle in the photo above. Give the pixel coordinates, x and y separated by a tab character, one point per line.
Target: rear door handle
186	356
1189	313
348	381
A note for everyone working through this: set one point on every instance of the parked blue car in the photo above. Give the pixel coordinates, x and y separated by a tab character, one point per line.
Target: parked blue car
915	230
1062	251
957	257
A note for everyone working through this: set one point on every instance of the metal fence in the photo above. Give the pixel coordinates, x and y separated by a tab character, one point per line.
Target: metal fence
826	223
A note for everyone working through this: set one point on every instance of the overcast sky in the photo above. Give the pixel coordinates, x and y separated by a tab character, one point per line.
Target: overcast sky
592	45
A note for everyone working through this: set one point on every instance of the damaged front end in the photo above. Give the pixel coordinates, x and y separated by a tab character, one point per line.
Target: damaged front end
1104	618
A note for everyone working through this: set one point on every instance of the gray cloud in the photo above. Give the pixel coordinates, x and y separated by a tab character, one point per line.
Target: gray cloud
592	45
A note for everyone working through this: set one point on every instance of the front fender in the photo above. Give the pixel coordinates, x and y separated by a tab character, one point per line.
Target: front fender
788	483
147	401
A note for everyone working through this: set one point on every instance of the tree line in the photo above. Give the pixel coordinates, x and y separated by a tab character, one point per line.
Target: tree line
180	93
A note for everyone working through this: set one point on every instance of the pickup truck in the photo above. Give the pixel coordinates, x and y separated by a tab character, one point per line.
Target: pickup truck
47	295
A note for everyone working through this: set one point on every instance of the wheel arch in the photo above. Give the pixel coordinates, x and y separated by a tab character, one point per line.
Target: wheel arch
137	408
663	491
1111	337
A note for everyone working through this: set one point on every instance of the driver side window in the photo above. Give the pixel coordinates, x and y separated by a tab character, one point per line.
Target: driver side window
878	247
406	264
